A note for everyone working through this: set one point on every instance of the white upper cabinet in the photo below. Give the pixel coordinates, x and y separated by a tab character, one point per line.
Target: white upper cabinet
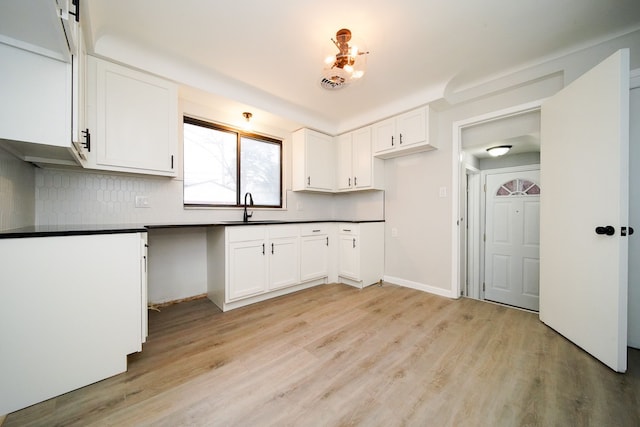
357	168
39	81
313	161
403	134
133	118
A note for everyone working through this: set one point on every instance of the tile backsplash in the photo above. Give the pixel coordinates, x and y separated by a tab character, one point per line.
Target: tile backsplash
17	200
83	197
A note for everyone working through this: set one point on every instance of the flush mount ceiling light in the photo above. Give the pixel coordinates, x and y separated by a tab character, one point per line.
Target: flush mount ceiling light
499	150
346	66
247	116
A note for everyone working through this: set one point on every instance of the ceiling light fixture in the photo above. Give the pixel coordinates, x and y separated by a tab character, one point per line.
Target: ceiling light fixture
247	115
499	150
346	66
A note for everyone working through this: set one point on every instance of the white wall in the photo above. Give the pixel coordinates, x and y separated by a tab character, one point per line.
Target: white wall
422	254
17	201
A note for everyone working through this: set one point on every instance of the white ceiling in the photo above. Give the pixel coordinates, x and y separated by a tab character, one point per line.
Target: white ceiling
268	55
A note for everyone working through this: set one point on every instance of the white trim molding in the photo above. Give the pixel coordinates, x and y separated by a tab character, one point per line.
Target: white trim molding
421	287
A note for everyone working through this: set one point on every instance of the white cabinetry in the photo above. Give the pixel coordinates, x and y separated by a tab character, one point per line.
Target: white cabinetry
72	320
314	251
403	134
36	80
357	168
313	159
133	118
251	261
361	253
247	262
283	254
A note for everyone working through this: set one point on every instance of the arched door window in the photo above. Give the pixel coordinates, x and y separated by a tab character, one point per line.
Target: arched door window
518	187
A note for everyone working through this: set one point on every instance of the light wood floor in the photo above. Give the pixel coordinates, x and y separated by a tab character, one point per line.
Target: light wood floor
336	356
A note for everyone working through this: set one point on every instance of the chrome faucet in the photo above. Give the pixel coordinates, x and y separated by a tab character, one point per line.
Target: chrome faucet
247	215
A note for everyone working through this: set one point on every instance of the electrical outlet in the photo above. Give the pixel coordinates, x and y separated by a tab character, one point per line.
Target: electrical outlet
394	232
142	202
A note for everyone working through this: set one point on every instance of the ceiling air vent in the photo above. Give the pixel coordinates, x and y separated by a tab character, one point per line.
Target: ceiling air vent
332	83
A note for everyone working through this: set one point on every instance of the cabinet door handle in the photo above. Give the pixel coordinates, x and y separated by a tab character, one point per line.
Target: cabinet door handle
400	138
327	240
349	182
263	249
308	180
172	161
348	231
272	249
316	231
392	140
354	242
355	181
87	139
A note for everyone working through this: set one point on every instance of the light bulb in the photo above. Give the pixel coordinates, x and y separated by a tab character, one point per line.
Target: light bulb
357	74
348	69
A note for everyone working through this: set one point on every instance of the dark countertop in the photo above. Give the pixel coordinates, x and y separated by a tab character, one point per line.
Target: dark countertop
78	230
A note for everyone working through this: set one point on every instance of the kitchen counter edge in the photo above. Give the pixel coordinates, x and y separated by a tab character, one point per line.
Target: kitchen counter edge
81	230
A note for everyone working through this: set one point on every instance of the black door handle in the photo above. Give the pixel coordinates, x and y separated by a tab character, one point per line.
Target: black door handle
608	230
626	231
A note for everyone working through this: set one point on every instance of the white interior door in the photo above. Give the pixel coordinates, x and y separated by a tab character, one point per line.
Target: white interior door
512	238
584	174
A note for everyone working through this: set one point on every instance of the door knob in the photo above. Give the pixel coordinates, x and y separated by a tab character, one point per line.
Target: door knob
626	231
608	230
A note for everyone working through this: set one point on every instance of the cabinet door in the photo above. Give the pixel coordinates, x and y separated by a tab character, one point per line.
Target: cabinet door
319	158
137	121
345	160
36	98
349	257
247	269
362	159
314	257
283	262
384	135
411	127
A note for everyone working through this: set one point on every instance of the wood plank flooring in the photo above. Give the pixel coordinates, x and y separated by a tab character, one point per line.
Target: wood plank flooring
336	356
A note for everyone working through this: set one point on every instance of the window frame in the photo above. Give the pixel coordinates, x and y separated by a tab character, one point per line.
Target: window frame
239	135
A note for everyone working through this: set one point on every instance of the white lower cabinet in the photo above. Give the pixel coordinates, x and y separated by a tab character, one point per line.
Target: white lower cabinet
247	268
314	251
252	263
361	253
245	263
73	308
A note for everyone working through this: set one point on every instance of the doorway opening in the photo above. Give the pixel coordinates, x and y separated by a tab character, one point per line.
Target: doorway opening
499	211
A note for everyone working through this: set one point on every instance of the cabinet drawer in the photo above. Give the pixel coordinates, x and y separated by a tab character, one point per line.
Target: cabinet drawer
245	233
351	229
280	231
315	229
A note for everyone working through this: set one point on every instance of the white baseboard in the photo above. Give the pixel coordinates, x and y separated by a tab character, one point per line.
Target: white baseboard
421	287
